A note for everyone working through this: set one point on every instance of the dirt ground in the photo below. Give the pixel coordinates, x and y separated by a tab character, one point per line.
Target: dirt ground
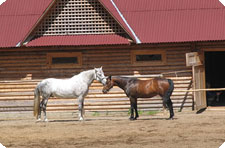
114	130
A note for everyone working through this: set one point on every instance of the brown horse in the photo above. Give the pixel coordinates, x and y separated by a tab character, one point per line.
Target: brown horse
135	88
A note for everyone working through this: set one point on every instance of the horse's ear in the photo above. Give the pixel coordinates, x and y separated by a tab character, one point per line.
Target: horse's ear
101	67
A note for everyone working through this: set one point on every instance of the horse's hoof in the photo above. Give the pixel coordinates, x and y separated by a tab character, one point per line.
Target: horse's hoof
132	118
45	120
81	119
38	120
171	118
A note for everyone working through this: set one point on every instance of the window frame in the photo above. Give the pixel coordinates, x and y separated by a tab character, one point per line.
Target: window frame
52	55
134	53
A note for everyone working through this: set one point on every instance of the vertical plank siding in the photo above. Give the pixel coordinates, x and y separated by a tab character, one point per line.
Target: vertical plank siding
20	72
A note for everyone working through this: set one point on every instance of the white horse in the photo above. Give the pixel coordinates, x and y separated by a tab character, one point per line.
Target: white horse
75	87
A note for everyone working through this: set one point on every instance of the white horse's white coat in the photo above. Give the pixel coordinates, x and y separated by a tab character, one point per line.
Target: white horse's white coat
75	87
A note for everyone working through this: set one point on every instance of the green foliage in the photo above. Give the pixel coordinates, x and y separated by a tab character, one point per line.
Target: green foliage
96	114
151	113
141	112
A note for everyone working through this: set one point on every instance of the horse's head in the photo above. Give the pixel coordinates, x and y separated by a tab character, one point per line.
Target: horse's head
99	75
108	85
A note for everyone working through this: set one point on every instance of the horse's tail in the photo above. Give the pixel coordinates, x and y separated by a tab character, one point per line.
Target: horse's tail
169	102
171	87
36	101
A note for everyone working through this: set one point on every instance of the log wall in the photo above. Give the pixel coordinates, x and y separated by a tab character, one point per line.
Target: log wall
21	70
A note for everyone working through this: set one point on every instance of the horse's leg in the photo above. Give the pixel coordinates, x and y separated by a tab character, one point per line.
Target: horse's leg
44	106
164	108
39	112
168	100
132	102
135	107
169	104
81	107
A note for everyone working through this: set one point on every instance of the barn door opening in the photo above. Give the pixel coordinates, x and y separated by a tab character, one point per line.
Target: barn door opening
215	77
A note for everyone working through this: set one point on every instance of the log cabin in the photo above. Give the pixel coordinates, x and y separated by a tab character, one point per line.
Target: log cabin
183	40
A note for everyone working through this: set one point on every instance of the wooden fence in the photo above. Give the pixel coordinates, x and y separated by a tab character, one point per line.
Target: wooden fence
18	96
20	71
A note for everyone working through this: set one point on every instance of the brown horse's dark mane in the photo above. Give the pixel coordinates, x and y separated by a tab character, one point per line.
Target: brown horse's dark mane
132	79
126	78
122	81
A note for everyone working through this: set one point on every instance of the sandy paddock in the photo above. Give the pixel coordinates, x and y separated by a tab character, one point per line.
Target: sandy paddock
112	130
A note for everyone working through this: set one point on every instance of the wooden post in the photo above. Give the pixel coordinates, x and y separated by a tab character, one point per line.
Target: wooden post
194	85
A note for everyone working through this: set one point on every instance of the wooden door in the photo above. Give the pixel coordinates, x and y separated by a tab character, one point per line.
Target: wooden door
199	83
195	59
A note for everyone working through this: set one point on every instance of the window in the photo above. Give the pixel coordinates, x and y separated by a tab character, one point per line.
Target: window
148	57
64	60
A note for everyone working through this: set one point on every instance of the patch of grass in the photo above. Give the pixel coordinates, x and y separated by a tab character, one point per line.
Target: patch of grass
129	111
96	114
140	112
151	113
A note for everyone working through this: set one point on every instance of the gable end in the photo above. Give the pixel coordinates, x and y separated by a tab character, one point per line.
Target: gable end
78	17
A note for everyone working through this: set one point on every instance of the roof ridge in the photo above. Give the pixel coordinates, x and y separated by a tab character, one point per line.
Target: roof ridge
21	14
173	10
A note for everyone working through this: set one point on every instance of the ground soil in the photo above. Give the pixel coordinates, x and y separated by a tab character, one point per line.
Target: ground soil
114	130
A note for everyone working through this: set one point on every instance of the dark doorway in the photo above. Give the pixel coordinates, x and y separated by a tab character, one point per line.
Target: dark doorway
215	77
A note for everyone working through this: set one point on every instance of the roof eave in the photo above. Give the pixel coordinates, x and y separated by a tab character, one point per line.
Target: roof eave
25	40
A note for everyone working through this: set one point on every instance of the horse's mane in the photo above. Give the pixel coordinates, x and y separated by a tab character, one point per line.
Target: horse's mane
86	71
125	78
81	73
135	78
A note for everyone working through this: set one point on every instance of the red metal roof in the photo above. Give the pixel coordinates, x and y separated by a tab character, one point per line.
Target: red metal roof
156	21
78	40
112	10
17	17
153	21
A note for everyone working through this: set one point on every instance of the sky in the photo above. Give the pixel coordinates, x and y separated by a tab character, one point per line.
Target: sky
223	2
1	1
